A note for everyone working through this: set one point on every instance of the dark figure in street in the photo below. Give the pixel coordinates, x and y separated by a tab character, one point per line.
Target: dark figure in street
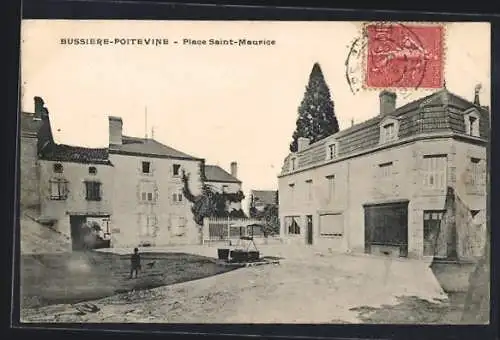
135	263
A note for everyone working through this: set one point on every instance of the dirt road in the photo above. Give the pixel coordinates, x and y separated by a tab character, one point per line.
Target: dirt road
307	289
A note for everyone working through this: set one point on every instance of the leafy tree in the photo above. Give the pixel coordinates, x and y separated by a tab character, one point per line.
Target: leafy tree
317	118
211	203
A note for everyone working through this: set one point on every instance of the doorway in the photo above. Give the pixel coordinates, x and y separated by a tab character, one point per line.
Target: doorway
386	226
309	219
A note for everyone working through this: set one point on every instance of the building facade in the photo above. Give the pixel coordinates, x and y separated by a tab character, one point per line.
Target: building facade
132	189
381	186
222	181
62	186
150	208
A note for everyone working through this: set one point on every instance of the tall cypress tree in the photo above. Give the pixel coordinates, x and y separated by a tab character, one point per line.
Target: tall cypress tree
317	118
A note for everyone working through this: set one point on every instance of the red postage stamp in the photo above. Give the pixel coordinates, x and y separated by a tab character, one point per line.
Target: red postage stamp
404	56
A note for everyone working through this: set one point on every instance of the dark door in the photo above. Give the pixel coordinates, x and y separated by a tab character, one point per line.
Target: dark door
387	224
77	236
309	229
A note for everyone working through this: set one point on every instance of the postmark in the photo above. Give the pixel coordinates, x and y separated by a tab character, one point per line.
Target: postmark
398	56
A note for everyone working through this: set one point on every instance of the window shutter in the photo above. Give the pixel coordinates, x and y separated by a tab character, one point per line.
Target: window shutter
155	191
482	168
139	191
468	173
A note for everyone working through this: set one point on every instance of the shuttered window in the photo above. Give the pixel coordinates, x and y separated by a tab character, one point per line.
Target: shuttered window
331	188
475	168
331	225
58	189
434	171
147	191
148	224
93	191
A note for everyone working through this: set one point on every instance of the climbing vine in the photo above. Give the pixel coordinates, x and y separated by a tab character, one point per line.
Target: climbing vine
211	203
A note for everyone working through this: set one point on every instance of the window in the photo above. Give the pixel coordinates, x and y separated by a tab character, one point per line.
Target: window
58	168
177	197
475	172
472	124
177	225
92	170
309	189
225	188
148	225
331	188
292	191
292	225
146	167
332	151
147	192
434	171
293	164
331	225
432	226
385	170
93	191
389	132
177	169
58	189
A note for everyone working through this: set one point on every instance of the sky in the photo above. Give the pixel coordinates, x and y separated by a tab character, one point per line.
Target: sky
221	103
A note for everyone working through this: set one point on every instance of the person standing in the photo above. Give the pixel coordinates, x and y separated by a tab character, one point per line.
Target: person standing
135	263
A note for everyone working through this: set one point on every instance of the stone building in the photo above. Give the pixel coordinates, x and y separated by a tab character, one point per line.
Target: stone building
133	189
62	186
382	186
222	181
148	202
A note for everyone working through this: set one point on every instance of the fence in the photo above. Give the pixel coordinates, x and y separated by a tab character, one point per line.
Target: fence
225	229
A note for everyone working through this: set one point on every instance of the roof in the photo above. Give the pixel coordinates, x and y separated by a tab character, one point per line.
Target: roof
264	196
214	173
68	153
147	147
441	111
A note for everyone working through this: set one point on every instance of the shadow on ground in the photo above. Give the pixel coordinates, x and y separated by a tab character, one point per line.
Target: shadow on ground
414	310
48	279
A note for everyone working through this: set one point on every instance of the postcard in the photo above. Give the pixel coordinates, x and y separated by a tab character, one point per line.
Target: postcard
254	172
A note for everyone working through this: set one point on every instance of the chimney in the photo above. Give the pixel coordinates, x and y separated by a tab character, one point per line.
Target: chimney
302	143
234	169
39	105
115	130
387	102
477	89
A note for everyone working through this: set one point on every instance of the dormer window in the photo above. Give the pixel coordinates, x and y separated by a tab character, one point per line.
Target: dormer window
388	130
471	121
58	168
331	151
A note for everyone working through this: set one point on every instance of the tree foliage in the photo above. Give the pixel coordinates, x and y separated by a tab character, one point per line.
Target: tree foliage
317	118
211	203
269	216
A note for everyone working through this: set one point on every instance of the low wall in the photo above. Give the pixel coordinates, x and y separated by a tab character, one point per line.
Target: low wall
453	276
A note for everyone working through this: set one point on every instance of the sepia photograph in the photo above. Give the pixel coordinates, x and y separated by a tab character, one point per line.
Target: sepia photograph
257	172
